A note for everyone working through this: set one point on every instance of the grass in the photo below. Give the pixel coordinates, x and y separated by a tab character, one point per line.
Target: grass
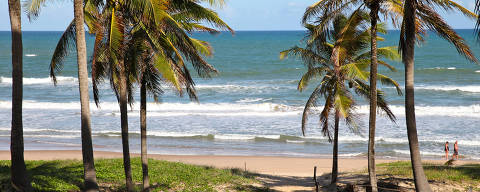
466	174
66	175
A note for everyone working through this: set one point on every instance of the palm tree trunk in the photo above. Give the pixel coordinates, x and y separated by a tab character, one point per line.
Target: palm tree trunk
374	7
124	124
90	178
335	150
143	135
20	181
408	54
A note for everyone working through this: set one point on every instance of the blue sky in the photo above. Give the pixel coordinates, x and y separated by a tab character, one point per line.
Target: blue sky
239	14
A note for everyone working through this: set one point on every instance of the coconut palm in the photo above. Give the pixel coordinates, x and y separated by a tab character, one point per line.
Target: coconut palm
415	10
187	15
341	63
393	9
374	7
76	36
166	49
20	181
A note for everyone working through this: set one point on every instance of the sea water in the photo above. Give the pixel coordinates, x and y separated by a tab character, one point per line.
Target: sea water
252	107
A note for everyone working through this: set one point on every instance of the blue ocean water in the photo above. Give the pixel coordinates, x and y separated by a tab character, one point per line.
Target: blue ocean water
251	107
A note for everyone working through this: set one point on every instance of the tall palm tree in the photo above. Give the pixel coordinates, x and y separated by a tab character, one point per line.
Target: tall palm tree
394	9
76	36
20	181
374	6
90	178
415	10
341	63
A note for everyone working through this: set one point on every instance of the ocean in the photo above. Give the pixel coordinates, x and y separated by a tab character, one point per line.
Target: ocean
251	107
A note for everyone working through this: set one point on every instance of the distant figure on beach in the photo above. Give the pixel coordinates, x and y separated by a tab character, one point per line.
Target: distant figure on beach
455	150
446	150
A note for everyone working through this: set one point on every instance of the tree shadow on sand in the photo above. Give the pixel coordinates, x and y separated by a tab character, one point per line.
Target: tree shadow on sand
273	182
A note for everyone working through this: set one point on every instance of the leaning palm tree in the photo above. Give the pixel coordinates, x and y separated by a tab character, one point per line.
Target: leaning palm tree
20	181
341	63
78	35
393	9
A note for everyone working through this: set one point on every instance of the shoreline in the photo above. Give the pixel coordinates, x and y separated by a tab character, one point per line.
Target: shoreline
269	165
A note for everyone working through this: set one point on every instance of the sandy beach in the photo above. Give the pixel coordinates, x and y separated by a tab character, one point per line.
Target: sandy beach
280	166
279	173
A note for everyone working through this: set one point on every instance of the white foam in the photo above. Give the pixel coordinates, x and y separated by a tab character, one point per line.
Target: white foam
30	55
269	136
407	152
243	137
37	81
252	100
466	88
440	68
449	111
219	114
234	137
239	87
350	154
174	134
295	141
164	107
53	136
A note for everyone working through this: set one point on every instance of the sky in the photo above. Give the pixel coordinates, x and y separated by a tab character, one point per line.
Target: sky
263	15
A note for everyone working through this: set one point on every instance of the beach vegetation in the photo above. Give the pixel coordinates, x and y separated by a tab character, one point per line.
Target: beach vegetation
66	175
340	63
465	177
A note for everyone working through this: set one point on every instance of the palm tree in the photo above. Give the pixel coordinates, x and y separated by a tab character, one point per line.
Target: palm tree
413	11
123	29
188	16
340	63
374	6
78	35
20	181
89	174
328	9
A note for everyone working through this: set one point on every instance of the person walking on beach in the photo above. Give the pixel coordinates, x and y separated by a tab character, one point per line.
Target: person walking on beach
446	150
455	150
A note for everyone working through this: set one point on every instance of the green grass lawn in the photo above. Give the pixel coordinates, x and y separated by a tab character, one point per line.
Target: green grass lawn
469	173
164	176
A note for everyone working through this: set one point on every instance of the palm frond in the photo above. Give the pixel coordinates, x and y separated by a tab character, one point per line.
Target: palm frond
33	7
363	89
67	40
309	75
435	22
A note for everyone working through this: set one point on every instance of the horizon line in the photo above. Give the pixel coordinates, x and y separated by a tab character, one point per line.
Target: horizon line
234	30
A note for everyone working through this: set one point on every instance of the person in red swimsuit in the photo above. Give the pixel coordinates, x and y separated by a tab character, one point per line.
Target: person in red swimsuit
446	150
